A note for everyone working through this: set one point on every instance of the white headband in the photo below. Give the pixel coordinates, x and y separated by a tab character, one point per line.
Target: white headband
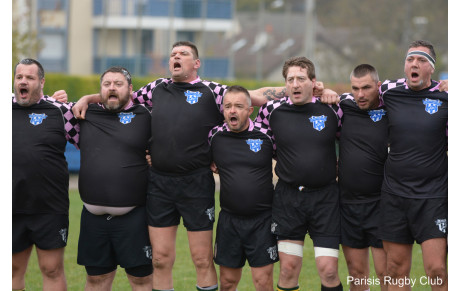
423	54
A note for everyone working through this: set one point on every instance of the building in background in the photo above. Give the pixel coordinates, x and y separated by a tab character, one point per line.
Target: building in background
86	36
243	39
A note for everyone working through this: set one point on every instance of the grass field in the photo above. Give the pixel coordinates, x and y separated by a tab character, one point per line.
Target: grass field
184	272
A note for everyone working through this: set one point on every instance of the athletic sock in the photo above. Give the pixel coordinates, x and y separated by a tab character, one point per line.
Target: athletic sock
336	288
296	288
210	288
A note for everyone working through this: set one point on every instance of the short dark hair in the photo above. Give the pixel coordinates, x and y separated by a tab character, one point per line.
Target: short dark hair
302	62
239	89
190	45
28	61
424	43
363	70
117	69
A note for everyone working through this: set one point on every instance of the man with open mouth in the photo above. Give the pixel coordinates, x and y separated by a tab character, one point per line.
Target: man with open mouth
181	185
41	128
414	191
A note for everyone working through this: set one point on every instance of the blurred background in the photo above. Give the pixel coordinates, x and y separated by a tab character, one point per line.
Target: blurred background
236	39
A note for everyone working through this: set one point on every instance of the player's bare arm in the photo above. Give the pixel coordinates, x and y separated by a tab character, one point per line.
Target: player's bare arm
443	85
79	109
260	96
60	95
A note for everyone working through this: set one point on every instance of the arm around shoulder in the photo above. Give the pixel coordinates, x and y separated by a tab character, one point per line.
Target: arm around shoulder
260	96
79	109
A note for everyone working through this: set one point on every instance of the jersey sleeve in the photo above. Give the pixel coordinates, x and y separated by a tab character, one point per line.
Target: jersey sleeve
214	131
390	84
71	125
218	91
346	96
262	121
144	94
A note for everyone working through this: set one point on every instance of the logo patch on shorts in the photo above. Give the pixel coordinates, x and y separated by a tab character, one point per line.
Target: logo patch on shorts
442	224
273	252
210	213
126	117
192	96
319	122
273	227
376	115
63	233
431	106
37	118
254	144
148	252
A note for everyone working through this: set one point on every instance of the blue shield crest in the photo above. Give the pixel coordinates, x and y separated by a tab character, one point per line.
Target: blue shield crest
431	106
318	122
192	96
126	117
37	118
376	115
254	144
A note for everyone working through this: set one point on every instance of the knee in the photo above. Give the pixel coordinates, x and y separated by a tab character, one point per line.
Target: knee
289	270
263	282
202	262
328	272
381	273
52	271
161	260
357	273
397	268
95	280
145	281
436	272
227	284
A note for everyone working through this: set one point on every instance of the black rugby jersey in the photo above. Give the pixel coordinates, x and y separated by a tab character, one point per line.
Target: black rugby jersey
363	149
39	168
417	162
305	138
113	170
182	116
244	161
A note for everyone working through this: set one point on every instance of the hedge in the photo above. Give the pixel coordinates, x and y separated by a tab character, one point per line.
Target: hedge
77	86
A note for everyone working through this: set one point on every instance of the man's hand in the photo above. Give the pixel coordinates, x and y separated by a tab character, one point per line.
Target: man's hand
148	157
60	96
443	85
79	109
214	168
318	89
330	97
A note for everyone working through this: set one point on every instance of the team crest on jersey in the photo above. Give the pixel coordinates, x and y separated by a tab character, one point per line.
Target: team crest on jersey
148	252
376	115
431	106
273	252
126	117
442	224
254	144
318	122
37	118
192	96
273	227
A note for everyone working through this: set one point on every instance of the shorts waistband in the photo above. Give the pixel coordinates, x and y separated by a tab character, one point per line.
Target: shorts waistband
262	214
189	173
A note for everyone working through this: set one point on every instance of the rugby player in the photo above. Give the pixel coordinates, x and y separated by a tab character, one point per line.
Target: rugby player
242	154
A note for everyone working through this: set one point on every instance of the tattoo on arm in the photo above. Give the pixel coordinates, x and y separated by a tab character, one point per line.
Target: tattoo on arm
273	94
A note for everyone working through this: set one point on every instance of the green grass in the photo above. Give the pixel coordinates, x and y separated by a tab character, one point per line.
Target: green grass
184	271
